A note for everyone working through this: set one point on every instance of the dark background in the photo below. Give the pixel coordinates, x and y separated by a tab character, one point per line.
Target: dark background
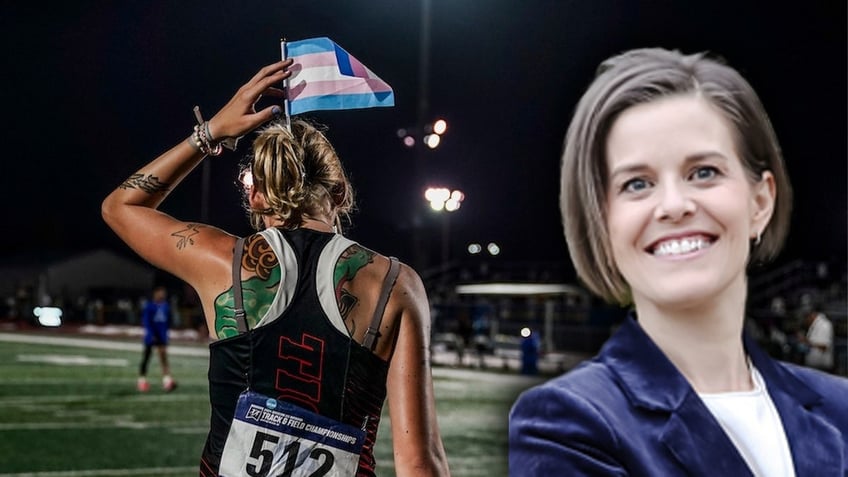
93	90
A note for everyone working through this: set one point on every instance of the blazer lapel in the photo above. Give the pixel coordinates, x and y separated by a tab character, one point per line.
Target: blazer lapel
652	382
816	445
692	434
699	443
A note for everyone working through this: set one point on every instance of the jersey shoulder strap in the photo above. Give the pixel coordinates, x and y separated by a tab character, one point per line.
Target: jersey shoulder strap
388	283
238	301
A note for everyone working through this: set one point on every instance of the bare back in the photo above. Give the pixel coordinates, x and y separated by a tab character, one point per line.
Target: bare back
358	277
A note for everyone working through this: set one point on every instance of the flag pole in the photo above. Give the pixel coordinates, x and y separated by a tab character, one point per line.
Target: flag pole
286	109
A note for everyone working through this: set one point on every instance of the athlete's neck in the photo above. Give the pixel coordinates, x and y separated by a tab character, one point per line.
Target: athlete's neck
321	224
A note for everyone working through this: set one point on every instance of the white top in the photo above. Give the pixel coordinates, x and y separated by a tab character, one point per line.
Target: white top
751	421
820	333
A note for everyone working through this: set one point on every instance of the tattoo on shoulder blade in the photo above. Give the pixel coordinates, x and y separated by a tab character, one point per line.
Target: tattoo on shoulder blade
258	291
346	303
258	257
350	262
185	236
150	184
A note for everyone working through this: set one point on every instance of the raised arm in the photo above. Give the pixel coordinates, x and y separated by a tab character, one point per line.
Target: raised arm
189	250
418	448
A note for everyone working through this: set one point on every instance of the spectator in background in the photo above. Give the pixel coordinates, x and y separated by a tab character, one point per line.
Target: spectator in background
817	336
529	352
156	319
464	333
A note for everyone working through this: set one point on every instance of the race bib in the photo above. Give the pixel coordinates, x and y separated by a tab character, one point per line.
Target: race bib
277	439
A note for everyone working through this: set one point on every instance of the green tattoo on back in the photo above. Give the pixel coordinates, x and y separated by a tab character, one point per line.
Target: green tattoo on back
260	290
257	294
351	261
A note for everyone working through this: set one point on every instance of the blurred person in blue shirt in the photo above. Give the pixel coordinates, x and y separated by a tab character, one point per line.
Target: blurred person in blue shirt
156	319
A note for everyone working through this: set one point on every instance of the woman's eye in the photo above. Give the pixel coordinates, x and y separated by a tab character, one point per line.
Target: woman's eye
634	185
705	172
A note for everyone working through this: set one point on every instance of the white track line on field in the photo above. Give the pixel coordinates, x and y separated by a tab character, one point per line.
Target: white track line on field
106	472
483	375
98	344
72	360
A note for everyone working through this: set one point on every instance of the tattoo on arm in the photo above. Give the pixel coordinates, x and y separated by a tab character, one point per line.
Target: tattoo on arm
185	236
150	184
351	261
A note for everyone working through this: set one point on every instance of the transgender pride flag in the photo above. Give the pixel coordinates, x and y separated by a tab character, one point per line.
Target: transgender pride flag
325	76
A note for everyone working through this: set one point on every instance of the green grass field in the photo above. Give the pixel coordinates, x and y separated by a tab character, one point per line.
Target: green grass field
69	408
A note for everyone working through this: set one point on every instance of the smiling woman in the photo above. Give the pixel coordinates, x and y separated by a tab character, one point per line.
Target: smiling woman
681	209
672	184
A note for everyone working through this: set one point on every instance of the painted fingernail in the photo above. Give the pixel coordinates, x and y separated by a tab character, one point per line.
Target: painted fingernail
276	111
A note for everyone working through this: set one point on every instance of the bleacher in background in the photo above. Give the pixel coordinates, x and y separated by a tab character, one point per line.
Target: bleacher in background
778	298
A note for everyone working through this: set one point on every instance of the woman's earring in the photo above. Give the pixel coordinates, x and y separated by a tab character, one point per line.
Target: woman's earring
759	238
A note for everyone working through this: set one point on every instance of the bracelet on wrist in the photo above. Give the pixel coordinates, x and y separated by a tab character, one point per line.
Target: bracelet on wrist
194	142
204	141
207	146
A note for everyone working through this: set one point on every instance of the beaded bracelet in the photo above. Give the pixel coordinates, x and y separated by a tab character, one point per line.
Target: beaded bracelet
212	148
202	140
194	141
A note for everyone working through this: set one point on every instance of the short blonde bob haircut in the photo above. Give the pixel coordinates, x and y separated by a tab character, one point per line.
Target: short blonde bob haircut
641	76
300	175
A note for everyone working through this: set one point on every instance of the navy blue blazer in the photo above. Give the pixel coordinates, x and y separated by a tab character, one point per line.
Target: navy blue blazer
629	411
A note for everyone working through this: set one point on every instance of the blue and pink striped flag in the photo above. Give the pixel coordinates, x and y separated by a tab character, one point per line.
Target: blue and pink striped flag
325	76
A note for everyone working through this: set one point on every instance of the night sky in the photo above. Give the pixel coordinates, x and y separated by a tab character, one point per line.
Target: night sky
93	90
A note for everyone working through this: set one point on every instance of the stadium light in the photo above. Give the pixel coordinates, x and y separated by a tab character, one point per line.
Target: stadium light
431	136
454	201
442	199
440	126
432	140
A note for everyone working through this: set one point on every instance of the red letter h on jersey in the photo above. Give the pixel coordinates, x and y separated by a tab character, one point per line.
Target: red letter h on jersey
301	369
